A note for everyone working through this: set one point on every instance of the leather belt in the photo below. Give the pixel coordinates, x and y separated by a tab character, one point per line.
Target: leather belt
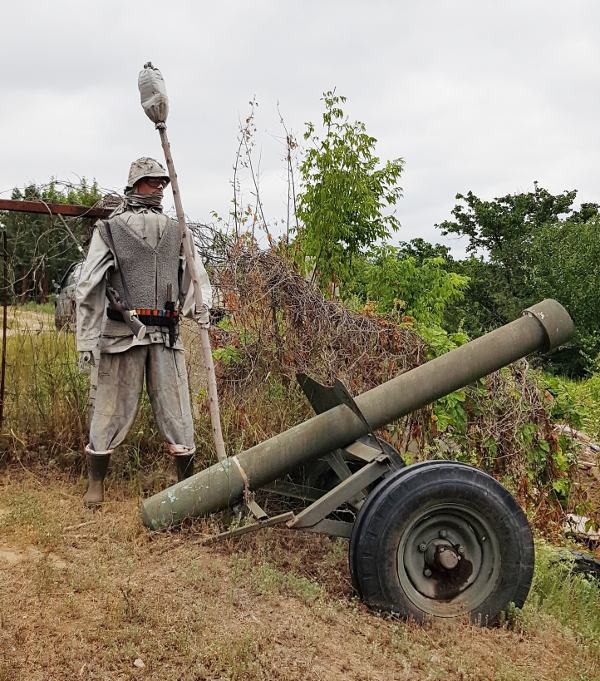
148	316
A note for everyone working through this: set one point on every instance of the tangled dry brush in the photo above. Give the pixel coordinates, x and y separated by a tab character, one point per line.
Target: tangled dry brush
279	325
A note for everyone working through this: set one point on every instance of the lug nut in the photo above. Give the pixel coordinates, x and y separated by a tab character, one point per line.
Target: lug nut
427	572
461	550
422	547
443	534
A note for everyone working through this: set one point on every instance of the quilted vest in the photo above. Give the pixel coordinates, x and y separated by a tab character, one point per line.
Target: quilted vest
147	270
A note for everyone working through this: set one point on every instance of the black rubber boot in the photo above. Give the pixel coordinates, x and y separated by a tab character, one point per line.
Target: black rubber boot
185	466
97	465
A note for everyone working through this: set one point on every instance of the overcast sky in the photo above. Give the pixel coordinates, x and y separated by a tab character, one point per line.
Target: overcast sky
480	95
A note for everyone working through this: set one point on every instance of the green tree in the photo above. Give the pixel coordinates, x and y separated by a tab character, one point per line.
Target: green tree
565	257
40	247
422	250
346	196
401	284
500	235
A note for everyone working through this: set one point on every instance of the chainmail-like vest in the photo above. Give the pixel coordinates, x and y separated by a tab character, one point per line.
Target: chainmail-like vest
147	270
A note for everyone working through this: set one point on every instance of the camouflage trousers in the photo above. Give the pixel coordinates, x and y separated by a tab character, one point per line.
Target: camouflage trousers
117	383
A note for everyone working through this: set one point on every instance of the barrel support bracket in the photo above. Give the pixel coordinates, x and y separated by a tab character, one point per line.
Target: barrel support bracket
325	397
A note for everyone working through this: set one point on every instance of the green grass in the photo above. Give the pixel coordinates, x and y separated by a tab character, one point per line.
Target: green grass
42	308
266	579
46	395
557	592
588	394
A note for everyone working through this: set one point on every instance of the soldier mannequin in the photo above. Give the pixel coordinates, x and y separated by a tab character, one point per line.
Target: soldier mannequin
138	253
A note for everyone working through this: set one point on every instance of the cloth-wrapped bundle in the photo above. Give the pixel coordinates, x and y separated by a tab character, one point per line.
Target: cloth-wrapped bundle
153	93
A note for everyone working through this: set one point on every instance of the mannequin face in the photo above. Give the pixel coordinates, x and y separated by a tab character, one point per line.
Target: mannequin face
150	185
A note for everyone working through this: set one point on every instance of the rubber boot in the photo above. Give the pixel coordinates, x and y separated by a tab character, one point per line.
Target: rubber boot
97	465
185	466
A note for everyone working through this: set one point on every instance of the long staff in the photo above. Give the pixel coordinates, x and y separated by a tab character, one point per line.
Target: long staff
156	105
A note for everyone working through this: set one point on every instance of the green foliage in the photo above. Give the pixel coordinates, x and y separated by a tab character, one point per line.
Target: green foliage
539	453
344	194
401	284
422	250
498	226
567	405
438	340
227	355
449	411
524	247
564	265
577	402
41	247
573	599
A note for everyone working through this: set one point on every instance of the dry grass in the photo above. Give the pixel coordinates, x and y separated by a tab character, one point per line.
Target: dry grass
84	595
22	318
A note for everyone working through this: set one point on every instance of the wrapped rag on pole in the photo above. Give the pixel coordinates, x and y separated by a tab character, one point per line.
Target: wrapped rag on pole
153	95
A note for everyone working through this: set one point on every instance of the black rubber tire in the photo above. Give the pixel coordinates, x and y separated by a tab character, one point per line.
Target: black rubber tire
419	492
356	531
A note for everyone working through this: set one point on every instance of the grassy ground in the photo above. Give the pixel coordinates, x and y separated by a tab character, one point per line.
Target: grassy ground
93	596
89	595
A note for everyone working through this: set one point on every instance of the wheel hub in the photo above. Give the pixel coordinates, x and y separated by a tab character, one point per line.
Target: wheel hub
443	560
444	557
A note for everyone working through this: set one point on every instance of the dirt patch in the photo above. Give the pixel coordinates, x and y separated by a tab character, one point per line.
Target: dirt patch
126	604
30	554
22	321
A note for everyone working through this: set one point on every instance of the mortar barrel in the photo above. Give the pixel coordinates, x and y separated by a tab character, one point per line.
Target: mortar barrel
542	327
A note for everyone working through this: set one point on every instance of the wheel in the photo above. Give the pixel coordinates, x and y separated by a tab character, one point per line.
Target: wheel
441	539
356	529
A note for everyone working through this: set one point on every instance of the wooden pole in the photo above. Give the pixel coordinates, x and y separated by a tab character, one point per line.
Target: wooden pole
188	249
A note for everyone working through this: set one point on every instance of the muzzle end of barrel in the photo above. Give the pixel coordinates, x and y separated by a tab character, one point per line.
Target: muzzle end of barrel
555	321
147	518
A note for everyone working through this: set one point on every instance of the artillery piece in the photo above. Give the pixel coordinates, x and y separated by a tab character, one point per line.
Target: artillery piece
433	539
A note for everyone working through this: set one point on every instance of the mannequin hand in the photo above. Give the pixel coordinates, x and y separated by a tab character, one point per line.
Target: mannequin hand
86	360
202	316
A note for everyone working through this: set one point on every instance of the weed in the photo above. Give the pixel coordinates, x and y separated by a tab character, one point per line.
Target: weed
25	516
570	598
266	580
234	659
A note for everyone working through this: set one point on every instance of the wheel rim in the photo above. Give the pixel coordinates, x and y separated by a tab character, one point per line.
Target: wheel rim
448	559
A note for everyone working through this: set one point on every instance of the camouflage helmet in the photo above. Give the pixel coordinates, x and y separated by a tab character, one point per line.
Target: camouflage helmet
145	167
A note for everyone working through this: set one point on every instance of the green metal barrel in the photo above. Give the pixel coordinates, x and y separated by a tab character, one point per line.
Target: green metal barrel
542	327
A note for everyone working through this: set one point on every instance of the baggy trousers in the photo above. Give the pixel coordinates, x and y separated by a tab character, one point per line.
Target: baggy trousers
119	384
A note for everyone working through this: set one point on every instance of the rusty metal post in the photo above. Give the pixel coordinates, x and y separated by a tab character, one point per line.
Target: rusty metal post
4	324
